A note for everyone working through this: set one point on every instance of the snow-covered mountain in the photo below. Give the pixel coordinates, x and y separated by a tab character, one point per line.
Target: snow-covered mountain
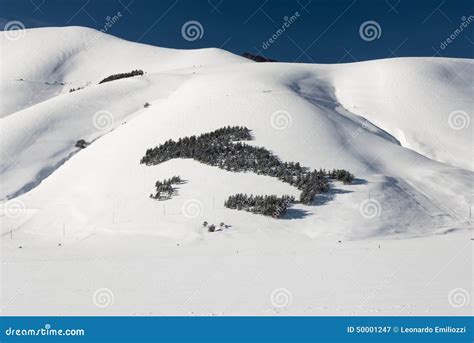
402	126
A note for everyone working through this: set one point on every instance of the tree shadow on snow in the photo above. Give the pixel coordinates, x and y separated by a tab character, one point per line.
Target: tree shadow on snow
320	199
295	213
324	198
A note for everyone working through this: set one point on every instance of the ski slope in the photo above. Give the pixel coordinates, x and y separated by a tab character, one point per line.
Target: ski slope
387	121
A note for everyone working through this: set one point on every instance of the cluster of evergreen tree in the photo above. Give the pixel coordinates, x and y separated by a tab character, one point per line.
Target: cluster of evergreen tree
212	227
122	75
223	148
310	184
75	89
268	205
165	189
214	148
341	175
81	144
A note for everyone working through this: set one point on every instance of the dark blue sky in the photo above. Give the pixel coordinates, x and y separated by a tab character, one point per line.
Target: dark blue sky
326	31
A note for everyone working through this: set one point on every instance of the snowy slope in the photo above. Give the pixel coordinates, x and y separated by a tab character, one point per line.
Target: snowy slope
382	120
425	103
74	57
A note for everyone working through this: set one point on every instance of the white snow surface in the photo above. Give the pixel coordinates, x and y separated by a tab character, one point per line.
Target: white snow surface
397	241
